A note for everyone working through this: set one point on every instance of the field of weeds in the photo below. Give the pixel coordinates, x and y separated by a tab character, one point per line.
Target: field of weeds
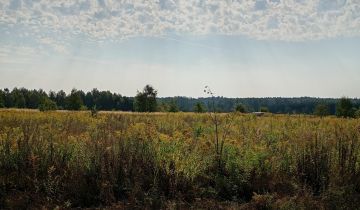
178	160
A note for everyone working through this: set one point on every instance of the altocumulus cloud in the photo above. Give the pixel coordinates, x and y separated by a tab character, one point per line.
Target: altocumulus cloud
110	20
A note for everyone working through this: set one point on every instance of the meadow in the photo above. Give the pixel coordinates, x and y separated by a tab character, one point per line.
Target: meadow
177	161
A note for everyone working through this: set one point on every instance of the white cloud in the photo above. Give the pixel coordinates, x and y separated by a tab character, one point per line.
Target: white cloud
290	20
56	45
16	54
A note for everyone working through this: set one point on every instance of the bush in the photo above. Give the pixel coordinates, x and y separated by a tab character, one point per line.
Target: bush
94	111
357	113
344	108
173	107
322	110
240	108
47	105
199	107
264	109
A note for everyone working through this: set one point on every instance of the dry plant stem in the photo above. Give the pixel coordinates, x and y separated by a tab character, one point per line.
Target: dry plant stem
219	143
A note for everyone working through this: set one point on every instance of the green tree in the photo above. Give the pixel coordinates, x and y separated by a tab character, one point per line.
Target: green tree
264	109
322	110
145	101
199	107
74	100
52	95
60	99
2	99
240	108
162	107
47	105
344	108
18	98
34	98
357	113
173	107
9	101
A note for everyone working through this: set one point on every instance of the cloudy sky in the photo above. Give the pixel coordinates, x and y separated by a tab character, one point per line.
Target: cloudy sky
240	48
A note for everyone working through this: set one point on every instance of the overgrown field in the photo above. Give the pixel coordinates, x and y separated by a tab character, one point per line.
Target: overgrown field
169	160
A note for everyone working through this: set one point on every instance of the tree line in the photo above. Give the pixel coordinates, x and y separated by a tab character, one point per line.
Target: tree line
147	101
75	100
346	107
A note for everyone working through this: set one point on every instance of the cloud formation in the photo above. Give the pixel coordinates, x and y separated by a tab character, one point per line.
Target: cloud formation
114	20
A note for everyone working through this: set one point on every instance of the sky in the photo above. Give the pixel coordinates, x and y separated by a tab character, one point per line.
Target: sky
240	48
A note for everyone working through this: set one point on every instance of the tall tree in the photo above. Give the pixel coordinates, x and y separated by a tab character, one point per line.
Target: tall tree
240	108
344	108
8	98
145	101
52	95
2	99
60	99
322	110
357	113
18	98
47	104
74	100
199	107
173	107
264	109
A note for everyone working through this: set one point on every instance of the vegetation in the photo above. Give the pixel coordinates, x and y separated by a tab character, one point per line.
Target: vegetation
240	108
94	111
145	101
47	105
31	99
199	107
345	108
264	109
173	107
357	113
322	110
71	159
2	97
105	100
74	101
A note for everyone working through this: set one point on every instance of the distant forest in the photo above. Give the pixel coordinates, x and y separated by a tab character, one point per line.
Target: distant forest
106	100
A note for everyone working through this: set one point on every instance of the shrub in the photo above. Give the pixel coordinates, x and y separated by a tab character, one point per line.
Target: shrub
264	109
240	108
199	107
357	113
322	110
344	108
47	105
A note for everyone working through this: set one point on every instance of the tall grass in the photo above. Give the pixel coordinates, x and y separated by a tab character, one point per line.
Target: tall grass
74	159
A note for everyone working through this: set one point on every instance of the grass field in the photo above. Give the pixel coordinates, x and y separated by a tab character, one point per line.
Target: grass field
170	160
